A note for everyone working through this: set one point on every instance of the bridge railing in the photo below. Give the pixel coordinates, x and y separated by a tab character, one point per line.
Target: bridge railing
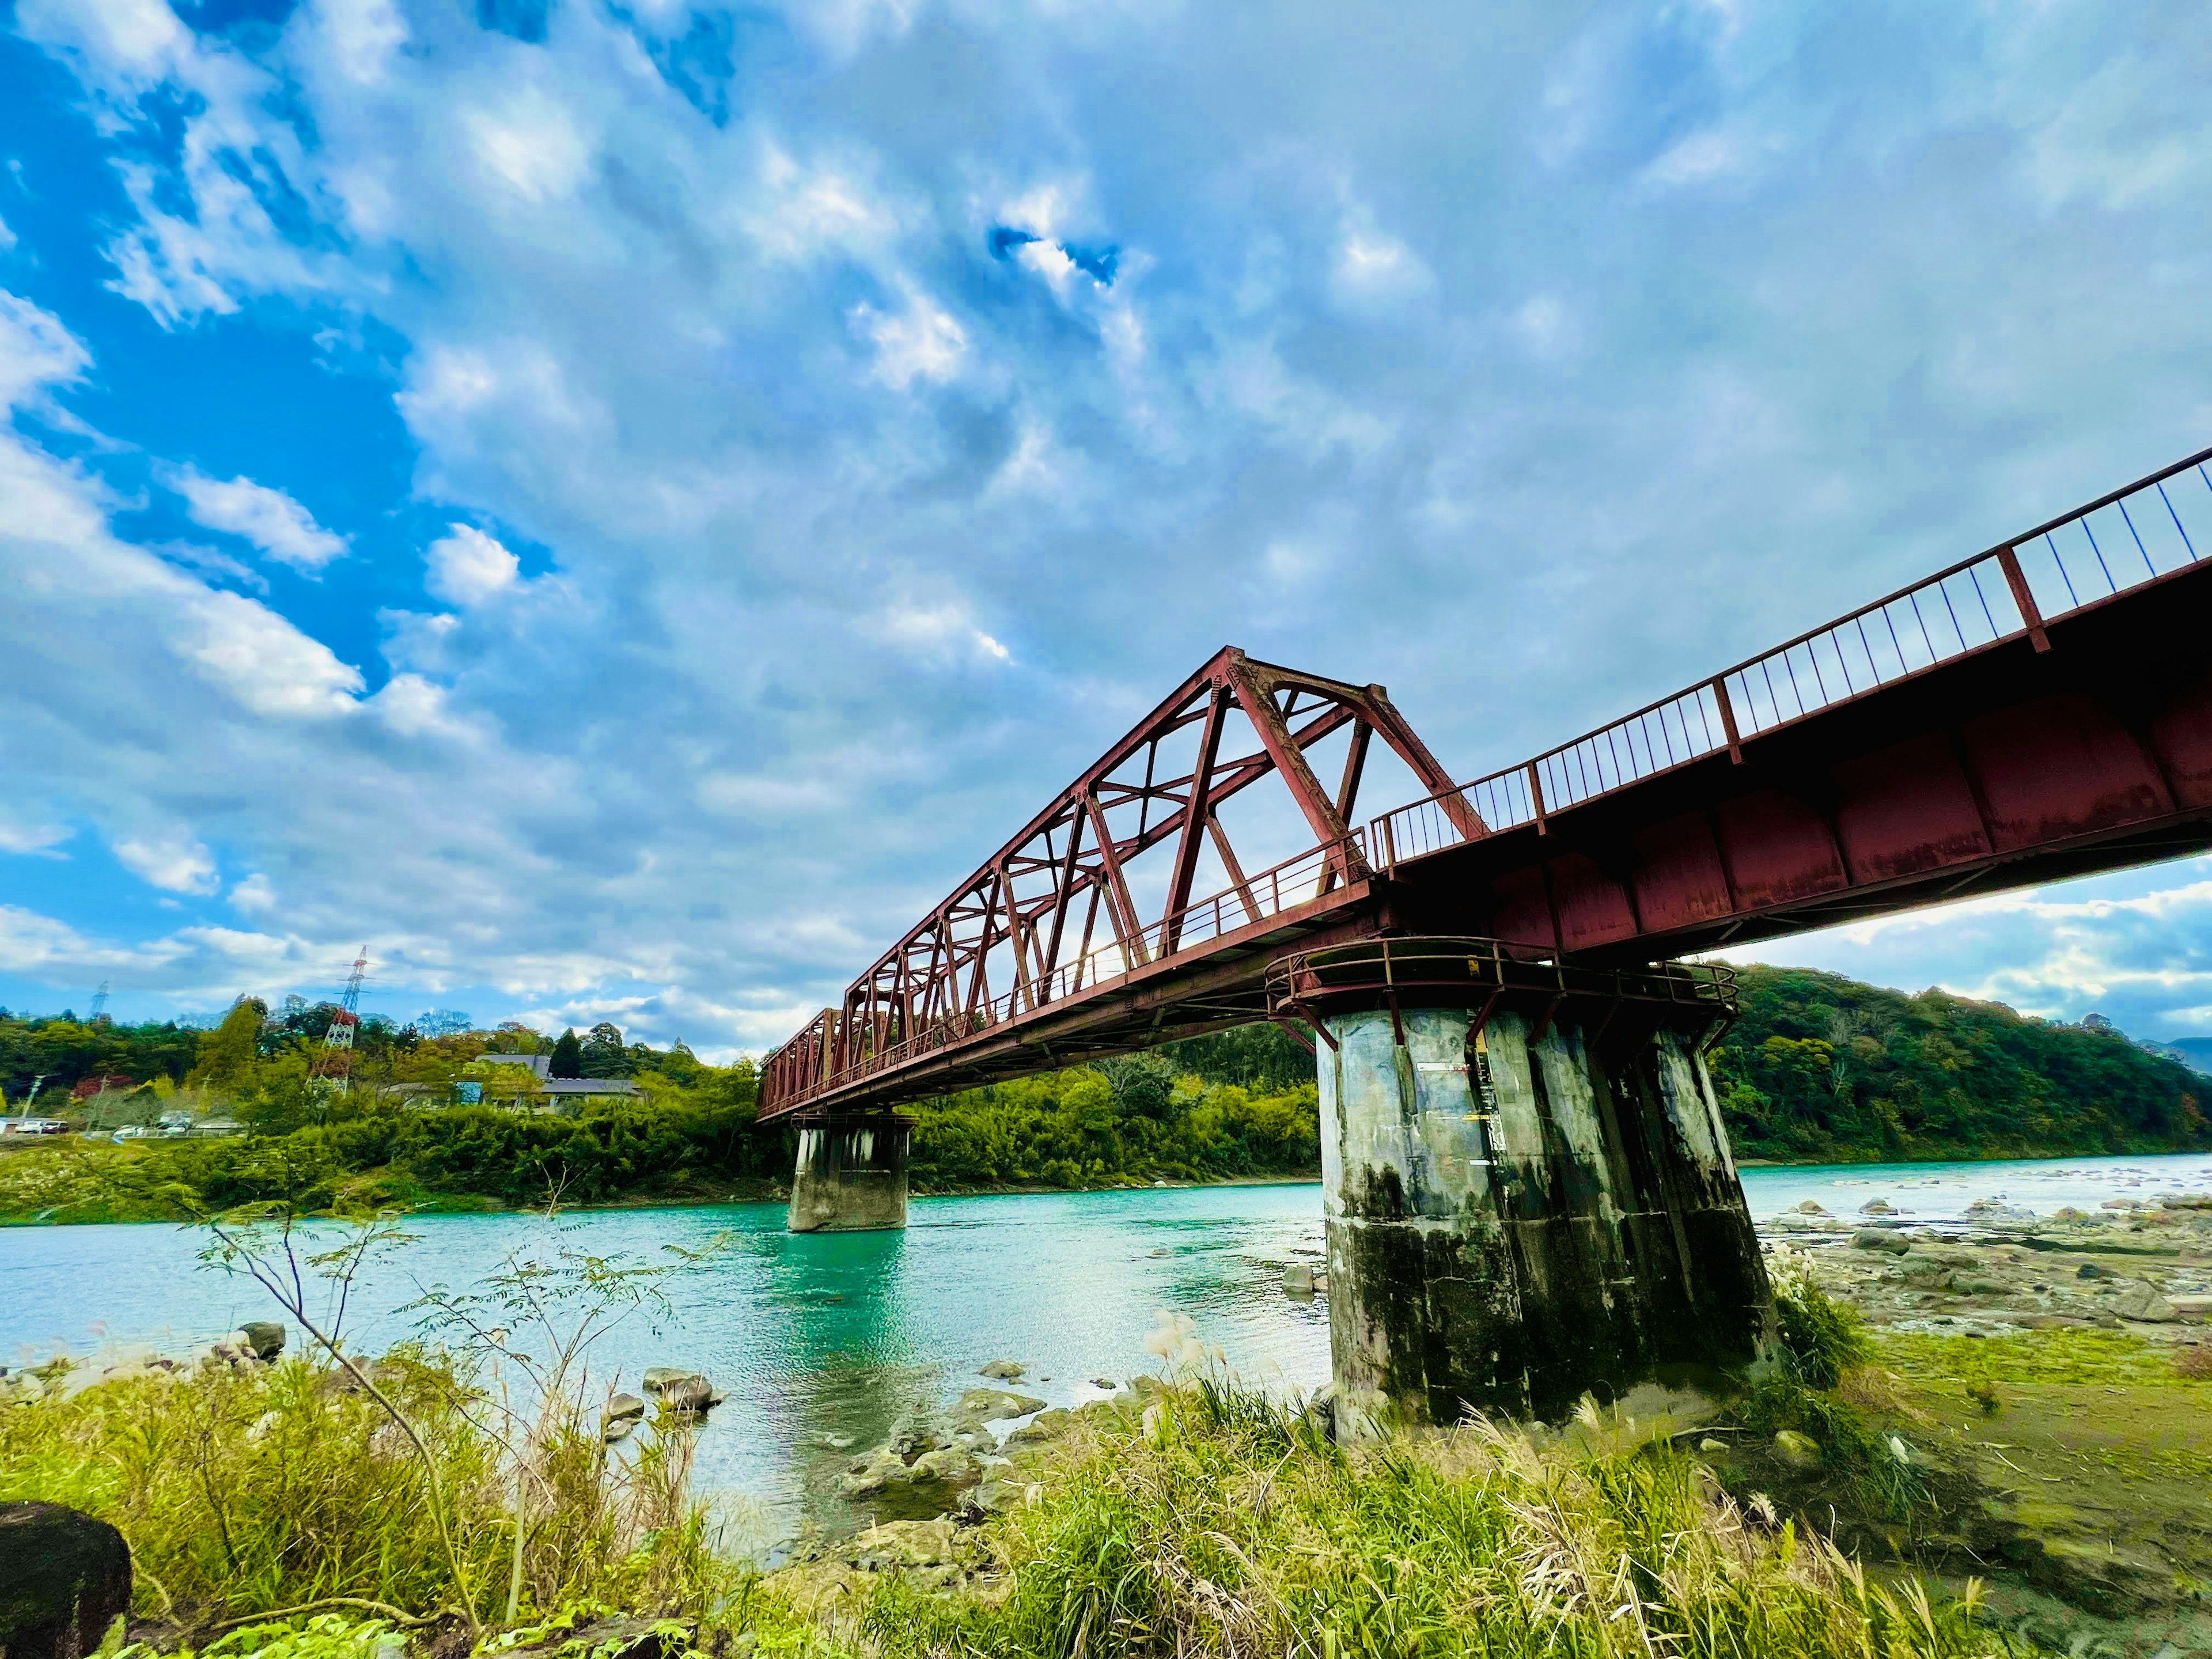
2138	534
1265	894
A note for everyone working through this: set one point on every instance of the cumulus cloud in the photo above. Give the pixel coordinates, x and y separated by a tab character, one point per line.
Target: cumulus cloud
271	520
468	567
172	861
262	660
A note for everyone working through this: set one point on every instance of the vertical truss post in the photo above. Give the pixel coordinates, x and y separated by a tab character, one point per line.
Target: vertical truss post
1197	812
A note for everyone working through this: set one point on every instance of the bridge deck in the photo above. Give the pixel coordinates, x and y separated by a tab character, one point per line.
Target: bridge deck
2042	710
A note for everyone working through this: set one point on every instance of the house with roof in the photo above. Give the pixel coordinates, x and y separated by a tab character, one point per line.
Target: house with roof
527	1080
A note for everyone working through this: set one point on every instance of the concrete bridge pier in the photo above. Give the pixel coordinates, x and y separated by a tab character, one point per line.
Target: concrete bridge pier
851	1176
1529	1192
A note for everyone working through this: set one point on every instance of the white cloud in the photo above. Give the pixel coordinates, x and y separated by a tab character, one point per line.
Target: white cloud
648	319
936	631
360	36
127	44
36	351
253	895
468	567
531	143
1709	157
921	342
263	661
414	707
172	862
767	799
1375	272
19	837
274	522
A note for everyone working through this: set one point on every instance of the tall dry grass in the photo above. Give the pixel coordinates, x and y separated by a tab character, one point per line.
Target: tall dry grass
243	1492
1226	1527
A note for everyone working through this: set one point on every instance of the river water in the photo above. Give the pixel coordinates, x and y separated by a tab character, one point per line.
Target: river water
821	1340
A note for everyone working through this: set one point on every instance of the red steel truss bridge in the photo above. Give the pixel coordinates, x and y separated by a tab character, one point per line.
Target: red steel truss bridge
2040	710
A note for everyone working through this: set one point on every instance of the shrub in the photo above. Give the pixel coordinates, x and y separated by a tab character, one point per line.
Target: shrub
1825	1338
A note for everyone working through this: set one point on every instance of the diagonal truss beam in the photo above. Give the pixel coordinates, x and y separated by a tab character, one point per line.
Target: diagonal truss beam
935	986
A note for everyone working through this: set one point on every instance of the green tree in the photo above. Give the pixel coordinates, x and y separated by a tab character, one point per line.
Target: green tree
604	1054
230	1053
567	1055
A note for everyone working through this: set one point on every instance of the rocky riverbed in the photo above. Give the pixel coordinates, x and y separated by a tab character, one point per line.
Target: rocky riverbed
2140	1265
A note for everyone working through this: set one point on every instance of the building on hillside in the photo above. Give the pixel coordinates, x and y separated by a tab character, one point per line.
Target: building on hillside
528	1082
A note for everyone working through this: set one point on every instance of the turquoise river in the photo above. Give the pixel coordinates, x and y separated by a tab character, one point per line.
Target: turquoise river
821	1340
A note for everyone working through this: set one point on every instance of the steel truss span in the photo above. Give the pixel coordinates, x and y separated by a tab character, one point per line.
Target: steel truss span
2039	710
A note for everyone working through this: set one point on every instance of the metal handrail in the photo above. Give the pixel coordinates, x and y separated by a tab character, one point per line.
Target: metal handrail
1394	969
2014	589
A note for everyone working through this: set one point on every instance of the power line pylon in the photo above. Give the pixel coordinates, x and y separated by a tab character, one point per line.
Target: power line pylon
335	1065
99	1003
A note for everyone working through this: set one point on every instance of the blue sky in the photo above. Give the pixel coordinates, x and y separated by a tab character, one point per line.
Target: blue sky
620	505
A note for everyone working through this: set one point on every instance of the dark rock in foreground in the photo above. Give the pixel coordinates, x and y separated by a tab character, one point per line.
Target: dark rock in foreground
64	1577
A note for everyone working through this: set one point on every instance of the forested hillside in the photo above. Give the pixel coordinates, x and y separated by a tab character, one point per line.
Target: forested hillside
1818	1068
1821	1068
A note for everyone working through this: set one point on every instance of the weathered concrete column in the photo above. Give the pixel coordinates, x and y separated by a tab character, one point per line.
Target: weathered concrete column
851	1176
1530	1207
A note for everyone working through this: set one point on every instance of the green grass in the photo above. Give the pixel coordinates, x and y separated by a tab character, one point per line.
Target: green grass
2113	1359
246	1493
1224	1527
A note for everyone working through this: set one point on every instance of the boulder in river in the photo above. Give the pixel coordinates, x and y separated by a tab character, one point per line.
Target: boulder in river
1811	1206
64	1577
1877	1206
1298	1281
265	1337
681	1390
1004	1370
624	1414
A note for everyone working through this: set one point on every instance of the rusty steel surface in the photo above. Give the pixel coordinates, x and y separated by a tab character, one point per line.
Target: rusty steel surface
2041	710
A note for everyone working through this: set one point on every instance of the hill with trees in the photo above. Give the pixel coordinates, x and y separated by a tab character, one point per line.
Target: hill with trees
1818	1068
1821	1068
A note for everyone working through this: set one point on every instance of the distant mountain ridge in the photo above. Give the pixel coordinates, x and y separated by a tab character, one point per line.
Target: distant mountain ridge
2196	1053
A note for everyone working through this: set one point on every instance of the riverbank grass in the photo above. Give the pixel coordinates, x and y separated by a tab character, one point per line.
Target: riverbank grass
1212	1522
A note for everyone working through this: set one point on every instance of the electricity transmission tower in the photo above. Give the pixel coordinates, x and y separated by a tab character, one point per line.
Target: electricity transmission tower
99	1003
335	1065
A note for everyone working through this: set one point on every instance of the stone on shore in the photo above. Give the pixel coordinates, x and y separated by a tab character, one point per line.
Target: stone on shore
65	1578
993	1405
2143	1303
265	1337
1799	1451
1004	1370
